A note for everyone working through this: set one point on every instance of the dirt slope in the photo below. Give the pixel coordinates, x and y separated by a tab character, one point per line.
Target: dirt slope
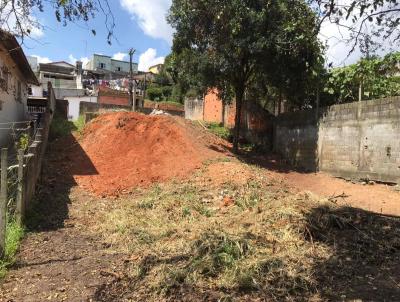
124	150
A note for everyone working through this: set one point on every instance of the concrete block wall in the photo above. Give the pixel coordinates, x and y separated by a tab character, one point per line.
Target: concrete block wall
194	109
96	107
356	140
296	139
362	140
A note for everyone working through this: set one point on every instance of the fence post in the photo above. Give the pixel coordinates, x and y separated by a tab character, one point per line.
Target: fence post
3	202
20	211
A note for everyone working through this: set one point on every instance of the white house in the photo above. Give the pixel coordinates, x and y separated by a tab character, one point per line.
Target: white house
15	75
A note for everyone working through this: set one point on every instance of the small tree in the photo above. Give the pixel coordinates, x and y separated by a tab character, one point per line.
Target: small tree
238	37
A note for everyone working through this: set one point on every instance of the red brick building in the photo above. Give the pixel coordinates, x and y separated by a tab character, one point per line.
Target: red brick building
113	97
256	122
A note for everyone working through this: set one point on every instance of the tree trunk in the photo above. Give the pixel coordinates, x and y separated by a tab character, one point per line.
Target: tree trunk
239	101
223	113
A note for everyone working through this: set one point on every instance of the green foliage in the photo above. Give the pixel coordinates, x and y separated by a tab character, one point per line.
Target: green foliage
79	123
154	93
14	234
214	253
379	78
61	127
239	43
219	130
23	141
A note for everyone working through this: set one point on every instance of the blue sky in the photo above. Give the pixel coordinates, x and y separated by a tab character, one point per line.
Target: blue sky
139	24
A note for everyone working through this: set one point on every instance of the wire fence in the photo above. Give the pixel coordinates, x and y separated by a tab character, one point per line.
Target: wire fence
20	167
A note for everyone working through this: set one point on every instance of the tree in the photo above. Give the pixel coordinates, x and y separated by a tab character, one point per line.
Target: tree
378	78
16	15
367	20
238	37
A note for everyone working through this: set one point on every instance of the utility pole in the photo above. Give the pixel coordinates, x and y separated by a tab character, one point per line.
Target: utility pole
132	95
144	87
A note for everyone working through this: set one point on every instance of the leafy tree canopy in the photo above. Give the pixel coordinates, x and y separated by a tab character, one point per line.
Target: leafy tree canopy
231	43
378	77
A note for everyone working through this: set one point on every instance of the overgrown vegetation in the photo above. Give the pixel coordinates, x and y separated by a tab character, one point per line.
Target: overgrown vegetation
376	77
239	240
14	234
61	127
219	130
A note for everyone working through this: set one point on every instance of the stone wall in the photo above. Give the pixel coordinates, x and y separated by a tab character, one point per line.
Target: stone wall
355	140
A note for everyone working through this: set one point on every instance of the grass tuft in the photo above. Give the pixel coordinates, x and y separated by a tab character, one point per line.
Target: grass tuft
14	235
219	130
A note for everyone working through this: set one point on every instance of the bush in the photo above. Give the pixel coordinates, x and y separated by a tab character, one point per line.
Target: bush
61	127
155	94
166	91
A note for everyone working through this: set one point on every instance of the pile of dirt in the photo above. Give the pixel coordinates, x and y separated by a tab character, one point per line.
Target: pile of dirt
124	150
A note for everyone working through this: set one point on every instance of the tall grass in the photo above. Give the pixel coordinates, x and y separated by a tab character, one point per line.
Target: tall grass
61	127
14	235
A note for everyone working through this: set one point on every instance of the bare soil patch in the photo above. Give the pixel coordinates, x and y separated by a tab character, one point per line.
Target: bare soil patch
128	150
374	197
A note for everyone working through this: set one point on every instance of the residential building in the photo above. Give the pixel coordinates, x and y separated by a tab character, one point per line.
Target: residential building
61	75
106	63
15	75
156	69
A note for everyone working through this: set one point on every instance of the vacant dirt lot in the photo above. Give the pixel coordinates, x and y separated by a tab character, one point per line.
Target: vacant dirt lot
229	229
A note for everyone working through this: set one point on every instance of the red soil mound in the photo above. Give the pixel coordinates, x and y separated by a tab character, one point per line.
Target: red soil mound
120	151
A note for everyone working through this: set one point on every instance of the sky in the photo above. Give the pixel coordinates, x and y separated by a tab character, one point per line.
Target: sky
140	24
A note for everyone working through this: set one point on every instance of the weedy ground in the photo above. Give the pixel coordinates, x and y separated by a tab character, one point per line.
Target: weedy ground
229	232
245	237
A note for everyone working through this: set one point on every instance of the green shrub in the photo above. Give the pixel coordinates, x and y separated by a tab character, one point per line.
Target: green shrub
79	123
61	127
155	94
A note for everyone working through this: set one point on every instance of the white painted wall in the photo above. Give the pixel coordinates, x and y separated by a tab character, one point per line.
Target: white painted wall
12	109
64	93
73	108
37	90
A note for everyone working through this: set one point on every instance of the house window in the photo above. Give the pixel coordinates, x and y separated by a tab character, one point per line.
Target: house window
19	91
118	68
102	65
4	78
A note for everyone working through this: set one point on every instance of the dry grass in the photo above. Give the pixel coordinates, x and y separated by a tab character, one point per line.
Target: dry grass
183	235
239	240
